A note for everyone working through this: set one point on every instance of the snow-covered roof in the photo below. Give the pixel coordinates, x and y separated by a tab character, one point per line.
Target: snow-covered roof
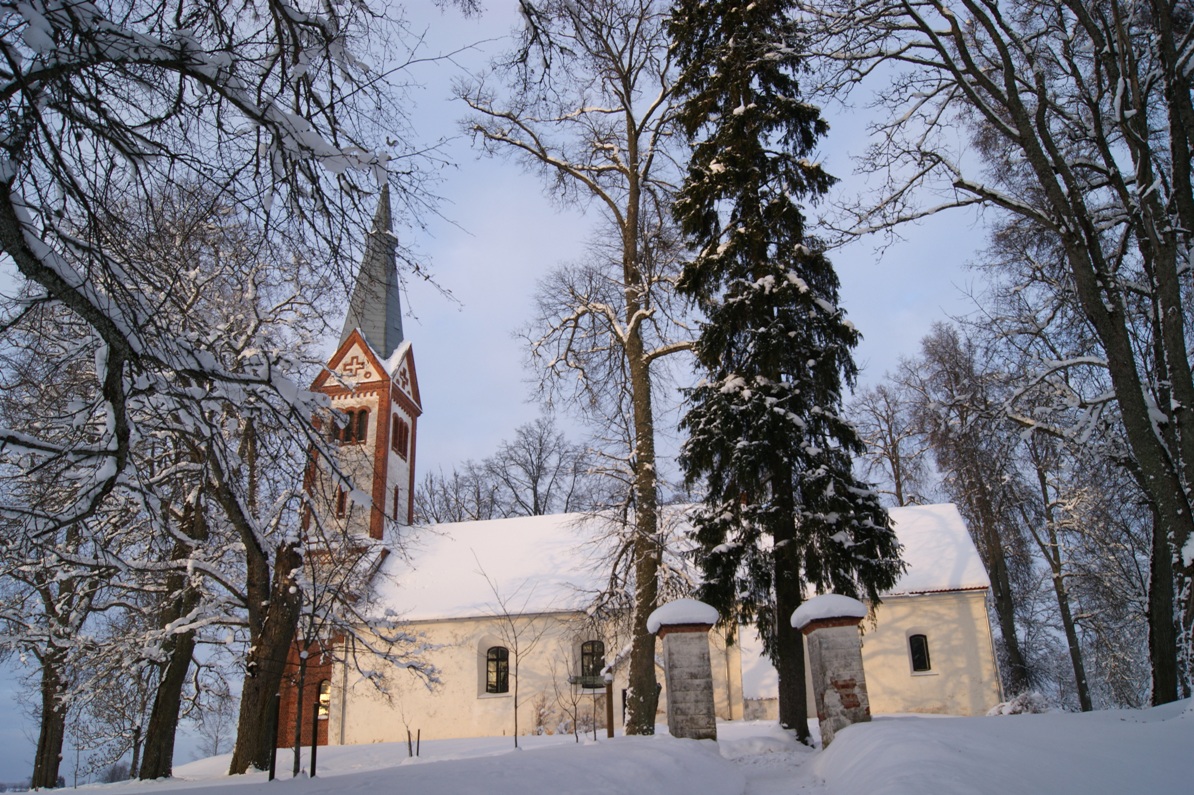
536	564
938	550
553	563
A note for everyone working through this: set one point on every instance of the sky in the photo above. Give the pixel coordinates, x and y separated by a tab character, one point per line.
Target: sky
498	234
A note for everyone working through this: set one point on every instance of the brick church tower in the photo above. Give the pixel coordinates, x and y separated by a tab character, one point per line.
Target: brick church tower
372	384
374	392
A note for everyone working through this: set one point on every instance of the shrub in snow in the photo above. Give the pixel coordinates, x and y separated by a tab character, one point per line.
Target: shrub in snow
1029	702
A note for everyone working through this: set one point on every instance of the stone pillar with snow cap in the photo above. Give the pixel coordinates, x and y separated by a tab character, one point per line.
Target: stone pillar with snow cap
684	626
830	623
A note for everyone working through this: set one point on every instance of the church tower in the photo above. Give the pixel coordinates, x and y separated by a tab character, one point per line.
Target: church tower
372	385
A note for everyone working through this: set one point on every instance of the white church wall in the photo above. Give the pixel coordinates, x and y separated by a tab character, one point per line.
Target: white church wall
962	678
460	706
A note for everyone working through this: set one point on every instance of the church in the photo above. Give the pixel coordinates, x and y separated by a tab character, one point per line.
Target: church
506	608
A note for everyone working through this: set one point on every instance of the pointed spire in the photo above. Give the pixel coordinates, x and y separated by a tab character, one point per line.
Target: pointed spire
376	304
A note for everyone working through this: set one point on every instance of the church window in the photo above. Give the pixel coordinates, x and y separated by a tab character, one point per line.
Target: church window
362	426
400	436
341	502
325	698
918	645
356	428
497	670
592	663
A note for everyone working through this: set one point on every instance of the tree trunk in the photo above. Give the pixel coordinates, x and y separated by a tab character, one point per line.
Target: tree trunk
163	719
271	640
789	593
642	699
1162	635
53	726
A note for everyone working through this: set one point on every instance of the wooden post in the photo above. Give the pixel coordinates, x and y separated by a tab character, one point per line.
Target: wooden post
410	751
418	740
314	735
273	732
609	706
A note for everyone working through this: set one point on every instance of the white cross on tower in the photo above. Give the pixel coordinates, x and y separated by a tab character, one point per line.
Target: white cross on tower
355	366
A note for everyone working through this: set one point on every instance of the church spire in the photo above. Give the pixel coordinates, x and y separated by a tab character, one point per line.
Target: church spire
376	304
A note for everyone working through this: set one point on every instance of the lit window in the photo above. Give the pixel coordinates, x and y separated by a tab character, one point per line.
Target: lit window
497	670
325	698
918	645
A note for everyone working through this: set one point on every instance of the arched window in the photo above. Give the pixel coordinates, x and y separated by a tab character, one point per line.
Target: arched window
362	426
400	436
356	427
918	646
592	661
497	670
325	698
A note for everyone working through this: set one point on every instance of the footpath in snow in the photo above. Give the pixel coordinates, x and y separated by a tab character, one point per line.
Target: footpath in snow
1055	754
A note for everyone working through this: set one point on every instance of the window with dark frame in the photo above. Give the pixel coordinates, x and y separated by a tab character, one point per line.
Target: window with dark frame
362	431
400	436
341	502
918	645
397	500
497	670
592	663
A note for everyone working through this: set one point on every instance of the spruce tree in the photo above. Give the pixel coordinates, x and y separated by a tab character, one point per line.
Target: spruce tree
782	511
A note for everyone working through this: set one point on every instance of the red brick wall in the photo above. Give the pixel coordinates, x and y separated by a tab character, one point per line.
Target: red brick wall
319	668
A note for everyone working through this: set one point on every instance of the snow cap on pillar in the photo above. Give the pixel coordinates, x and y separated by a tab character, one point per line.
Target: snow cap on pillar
376	303
830	607
682	613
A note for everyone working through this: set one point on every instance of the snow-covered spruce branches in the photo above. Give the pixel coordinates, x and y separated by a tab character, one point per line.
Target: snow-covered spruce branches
783	511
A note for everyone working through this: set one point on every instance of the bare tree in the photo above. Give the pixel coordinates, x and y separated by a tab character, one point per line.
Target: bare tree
595	127
896	455
520	630
538	472
1080	117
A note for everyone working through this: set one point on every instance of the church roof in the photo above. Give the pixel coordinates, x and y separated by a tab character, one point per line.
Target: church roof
376	303
553	563
534	564
938	550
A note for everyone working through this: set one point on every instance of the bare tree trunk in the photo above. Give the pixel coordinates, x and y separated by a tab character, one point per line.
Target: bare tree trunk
53	726
271	639
163	719
642	700
1162	634
167	701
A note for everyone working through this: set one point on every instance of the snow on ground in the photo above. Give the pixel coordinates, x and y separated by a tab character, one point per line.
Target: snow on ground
1101	753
